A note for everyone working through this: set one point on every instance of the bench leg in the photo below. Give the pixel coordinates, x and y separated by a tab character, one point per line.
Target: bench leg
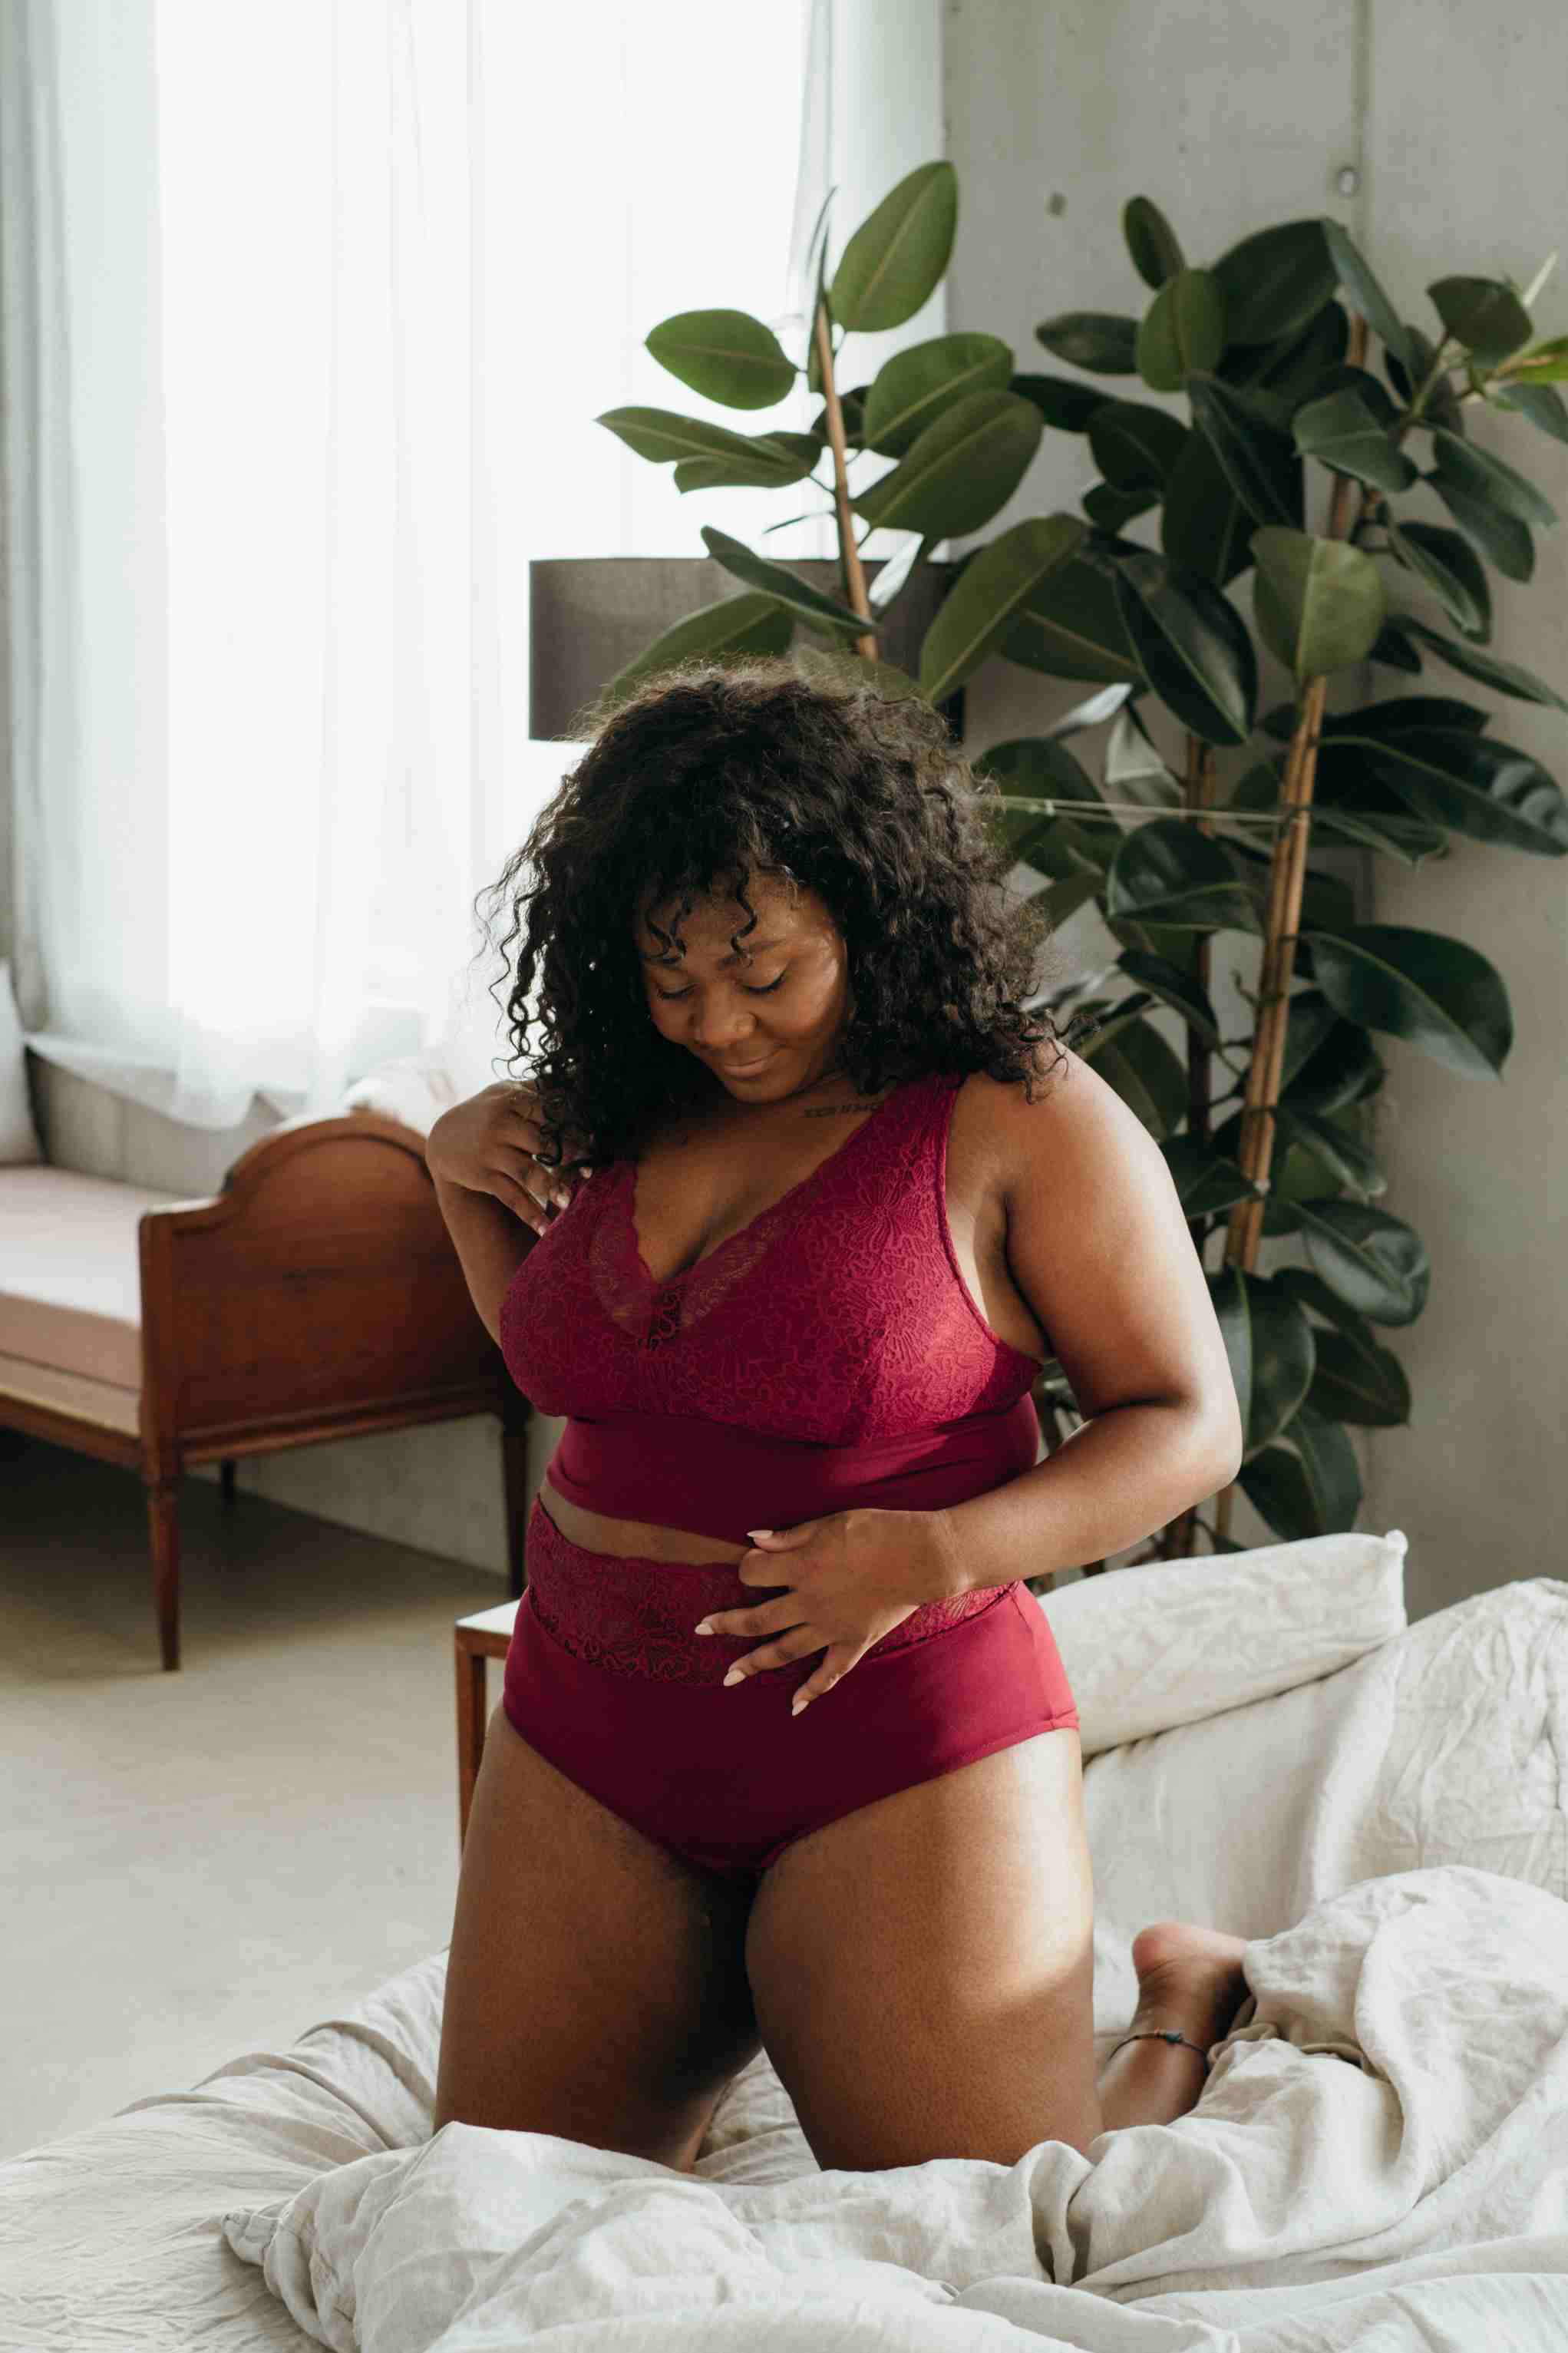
163	1527
225	1482
471	1732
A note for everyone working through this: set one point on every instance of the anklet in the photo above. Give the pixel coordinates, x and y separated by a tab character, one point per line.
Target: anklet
1166	2035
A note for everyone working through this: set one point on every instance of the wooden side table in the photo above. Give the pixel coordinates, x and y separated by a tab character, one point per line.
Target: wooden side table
485	1635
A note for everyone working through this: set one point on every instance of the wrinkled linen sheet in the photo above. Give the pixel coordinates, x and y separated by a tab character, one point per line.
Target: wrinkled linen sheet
1351	1792
1379	2155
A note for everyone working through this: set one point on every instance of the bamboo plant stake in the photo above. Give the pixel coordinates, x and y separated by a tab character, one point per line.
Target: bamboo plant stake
1287	877
854	577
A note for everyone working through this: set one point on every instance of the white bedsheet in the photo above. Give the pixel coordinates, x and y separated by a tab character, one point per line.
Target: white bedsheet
1390	2118
1398	1851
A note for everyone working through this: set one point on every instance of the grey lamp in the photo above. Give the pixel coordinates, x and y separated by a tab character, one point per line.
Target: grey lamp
590	615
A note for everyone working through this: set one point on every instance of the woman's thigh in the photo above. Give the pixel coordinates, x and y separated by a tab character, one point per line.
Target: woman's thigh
596	1985
922	1969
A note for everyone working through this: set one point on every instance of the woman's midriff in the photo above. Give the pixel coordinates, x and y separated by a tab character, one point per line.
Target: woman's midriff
631	1539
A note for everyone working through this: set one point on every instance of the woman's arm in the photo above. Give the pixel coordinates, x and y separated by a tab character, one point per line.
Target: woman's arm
491	1189
1098	1244
491	1241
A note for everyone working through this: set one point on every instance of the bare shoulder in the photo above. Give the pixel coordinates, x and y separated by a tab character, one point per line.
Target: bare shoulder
1097	1242
1061	1133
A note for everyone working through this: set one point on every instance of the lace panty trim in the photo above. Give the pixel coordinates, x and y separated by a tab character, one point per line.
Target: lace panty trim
634	1615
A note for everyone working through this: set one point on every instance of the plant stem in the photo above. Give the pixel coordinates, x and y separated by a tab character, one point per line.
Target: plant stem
850	553
1198	795
1286	877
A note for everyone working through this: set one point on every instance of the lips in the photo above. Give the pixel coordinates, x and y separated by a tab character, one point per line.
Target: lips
739	1069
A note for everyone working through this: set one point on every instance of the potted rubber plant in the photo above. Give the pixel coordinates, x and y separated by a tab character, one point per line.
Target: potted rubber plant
1269	345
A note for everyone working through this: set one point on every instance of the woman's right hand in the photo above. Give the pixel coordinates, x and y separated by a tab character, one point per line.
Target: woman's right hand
488	1142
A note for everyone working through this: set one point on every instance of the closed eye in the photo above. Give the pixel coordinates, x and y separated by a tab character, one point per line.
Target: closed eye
673	996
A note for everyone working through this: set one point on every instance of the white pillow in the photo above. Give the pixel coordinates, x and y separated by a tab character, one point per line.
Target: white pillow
19	1141
1169	1642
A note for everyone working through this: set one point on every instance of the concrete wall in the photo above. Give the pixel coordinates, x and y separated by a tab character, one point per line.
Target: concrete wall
1231	117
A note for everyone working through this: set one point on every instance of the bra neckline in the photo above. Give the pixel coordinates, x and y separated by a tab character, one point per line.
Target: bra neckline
627	1199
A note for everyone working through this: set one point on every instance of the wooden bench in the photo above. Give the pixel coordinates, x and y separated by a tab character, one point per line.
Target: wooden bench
316	1296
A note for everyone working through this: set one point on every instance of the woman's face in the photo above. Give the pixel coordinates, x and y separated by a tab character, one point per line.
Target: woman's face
783	1005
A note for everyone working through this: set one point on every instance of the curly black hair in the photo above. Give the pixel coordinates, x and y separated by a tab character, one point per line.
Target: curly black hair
706	772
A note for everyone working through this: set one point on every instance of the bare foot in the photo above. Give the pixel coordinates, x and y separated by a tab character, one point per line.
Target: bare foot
1189	1970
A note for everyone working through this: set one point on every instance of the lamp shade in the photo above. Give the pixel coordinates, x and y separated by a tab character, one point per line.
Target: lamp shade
590	615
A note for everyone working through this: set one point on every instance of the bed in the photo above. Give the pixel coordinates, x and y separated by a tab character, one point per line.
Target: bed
1378	2159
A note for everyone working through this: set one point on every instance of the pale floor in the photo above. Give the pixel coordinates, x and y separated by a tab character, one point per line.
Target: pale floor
196	1865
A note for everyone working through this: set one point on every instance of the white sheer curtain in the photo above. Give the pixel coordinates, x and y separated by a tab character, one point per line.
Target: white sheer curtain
308	309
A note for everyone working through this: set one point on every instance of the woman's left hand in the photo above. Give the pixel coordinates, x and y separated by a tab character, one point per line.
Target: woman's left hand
852	1577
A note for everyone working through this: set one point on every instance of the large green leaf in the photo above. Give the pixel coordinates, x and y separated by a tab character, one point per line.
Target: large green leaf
1135	445
1483	476
1374	1261
781	458
1313	1292
1275	280
1364	1384
1342	432
1542	403
1319	603
894	260
1166	871
1180	989
782	586
1329	1464
1437	993
1341	1067
1330	1147
1502	538
1441	401
1204	526
995	585
1268	1342
1355	274
1100	341
1149	1079
1451	569
726	355
1509	678
1350	816
1183	329
1488	791
751	624
1070	626
660	435
1275	1483
1150	240
1207	1184
1061	401
960	471
1483	314
1262	464
1111	508
1036	768
1279	375
1193	645
917	384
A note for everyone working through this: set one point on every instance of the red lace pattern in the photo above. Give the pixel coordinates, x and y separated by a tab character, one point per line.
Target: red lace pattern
634	1615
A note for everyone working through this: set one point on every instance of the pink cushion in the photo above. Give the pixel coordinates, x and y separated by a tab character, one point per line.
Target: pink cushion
70	1276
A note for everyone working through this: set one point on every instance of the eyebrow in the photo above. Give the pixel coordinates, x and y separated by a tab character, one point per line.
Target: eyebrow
757	947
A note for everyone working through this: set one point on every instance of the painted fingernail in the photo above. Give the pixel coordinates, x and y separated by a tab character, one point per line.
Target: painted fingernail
704	1629
735	1675
798	1703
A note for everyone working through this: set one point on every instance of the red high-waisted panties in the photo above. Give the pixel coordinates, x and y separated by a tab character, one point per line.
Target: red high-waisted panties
606	1678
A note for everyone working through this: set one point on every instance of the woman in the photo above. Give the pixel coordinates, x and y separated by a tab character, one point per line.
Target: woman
823	1230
